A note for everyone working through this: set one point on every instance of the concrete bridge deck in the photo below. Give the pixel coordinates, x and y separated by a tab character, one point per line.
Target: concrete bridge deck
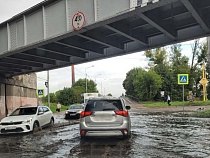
59	33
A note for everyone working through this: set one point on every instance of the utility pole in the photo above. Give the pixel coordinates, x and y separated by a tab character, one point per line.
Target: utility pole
72	75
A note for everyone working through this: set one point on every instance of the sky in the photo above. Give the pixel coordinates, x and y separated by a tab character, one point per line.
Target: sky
108	74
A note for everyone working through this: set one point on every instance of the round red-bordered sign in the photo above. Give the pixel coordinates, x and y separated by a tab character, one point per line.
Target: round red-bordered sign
78	20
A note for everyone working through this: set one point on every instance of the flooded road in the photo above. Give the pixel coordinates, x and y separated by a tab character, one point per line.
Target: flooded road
152	136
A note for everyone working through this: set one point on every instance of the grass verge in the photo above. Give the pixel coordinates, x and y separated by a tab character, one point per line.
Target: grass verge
177	103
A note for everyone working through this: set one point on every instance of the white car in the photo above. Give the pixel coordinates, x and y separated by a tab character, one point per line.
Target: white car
26	119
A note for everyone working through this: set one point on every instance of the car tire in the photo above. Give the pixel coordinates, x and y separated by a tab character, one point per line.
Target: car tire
51	122
126	137
65	117
36	126
83	138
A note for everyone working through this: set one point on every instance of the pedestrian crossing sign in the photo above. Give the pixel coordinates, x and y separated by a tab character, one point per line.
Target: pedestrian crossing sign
183	78
40	92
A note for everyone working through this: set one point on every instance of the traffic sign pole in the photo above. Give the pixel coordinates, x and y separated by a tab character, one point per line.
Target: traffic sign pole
183	98
204	82
183	79
48	94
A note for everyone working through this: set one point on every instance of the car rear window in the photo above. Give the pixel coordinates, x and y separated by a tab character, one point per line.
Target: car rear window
103	105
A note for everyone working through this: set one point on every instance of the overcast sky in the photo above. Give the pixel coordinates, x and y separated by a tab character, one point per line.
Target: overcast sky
109	74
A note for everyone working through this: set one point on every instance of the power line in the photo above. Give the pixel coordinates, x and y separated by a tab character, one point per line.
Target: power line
80	71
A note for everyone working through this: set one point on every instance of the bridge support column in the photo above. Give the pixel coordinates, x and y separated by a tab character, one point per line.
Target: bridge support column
17	91
2	101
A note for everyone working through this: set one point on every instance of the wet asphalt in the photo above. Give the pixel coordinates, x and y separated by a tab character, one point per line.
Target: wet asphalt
164	136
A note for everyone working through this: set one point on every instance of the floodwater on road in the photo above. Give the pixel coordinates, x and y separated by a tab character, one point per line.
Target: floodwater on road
152	136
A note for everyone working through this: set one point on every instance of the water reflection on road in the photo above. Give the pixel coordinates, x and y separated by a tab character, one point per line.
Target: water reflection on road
166	136
152	136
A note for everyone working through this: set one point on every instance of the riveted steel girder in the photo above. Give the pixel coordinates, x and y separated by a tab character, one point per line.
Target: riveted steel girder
44	36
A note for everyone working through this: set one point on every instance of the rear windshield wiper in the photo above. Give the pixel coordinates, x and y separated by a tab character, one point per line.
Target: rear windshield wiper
108	109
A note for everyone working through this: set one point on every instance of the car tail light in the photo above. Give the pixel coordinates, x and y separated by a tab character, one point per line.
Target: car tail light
82	132
85	113
122	113
125	131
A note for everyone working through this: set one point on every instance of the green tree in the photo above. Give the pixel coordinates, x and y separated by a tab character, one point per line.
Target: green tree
91	85
128	82
53	98
78	91
147	84
66	96
162	67
109	94
179	65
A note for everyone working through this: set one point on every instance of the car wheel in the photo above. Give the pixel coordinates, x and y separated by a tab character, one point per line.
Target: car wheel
35	127
51	122
83	138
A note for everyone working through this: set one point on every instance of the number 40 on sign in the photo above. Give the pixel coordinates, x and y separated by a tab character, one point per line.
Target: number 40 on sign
78	20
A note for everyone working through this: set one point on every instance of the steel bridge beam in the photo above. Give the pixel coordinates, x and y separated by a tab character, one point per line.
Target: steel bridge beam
196	15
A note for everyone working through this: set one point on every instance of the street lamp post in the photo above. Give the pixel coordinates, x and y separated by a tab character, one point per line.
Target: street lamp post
101	86
104	89
86	78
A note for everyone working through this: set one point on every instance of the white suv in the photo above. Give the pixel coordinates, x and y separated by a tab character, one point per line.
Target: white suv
26	119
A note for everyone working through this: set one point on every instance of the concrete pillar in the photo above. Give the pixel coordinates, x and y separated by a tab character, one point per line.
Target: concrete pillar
2	100
19	91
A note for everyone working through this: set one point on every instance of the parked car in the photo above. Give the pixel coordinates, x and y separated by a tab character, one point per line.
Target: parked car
105	117
74	111
26	119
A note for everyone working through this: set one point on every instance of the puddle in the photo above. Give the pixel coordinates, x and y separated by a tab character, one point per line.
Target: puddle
153	136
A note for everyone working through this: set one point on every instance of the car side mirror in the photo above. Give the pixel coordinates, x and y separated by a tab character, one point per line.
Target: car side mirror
128	107
40	112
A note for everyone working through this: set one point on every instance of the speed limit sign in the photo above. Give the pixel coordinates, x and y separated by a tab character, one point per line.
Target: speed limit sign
78	20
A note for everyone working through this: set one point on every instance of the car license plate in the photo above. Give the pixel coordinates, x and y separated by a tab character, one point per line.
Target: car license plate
72	114
10	127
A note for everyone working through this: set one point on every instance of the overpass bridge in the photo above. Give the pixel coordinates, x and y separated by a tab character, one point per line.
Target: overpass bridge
59	33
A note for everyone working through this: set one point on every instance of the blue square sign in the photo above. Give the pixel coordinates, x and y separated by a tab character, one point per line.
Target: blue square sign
40	92
183	78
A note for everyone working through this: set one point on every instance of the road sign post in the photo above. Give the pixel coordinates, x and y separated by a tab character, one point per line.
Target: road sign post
183	79
204	82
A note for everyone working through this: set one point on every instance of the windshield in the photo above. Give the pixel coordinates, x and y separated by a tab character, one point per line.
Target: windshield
24	111
76	107
103	105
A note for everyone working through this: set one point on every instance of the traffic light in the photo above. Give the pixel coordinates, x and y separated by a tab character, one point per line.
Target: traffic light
46	84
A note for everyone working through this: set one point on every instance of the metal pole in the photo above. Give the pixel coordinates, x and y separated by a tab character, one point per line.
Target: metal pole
85	81
48	87
86	78
183	98
101	88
